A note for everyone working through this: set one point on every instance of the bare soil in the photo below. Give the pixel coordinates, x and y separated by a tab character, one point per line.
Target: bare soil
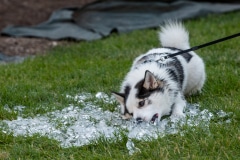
28	13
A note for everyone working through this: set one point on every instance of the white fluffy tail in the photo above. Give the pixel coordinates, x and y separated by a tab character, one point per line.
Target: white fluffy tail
173	34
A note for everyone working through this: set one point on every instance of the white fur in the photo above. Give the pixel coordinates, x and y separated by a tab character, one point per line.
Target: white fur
196	75
174	35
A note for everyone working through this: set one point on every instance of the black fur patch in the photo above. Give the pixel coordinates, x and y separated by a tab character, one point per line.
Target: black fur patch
172	107
186	56
139	84
173	74
126	91
175	93
143	93
179	68
176	71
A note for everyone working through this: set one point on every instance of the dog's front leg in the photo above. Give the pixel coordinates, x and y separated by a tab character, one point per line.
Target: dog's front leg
178	106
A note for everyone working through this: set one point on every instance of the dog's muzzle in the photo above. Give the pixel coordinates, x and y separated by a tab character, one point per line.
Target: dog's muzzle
154	118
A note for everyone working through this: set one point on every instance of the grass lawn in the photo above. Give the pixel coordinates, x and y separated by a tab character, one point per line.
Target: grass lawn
41	84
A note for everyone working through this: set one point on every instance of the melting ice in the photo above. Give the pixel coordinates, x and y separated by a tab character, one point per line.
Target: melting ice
77	126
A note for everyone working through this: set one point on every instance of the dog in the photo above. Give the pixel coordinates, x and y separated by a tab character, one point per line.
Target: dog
154	88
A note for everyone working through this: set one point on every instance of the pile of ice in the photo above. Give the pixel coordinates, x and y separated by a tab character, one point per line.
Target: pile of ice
77	126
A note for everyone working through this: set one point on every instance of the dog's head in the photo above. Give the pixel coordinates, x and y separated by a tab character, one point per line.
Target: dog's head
146	100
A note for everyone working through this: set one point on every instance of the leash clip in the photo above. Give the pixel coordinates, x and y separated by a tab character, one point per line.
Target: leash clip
163	58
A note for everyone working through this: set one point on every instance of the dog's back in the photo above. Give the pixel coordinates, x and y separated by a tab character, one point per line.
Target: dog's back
173	34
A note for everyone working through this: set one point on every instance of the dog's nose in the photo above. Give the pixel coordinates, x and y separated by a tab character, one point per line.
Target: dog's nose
139	120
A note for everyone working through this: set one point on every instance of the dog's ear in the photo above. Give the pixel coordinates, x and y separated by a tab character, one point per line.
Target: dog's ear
119	96
150	82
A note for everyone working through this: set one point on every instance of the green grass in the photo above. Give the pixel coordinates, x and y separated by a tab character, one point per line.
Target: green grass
41	84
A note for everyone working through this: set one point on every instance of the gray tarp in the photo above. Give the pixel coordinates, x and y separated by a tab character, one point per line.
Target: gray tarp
101	18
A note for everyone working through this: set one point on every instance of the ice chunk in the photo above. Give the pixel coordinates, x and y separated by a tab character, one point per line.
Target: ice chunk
78	126
131	147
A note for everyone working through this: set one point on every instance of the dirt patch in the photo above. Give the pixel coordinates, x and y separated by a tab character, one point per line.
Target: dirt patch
28	13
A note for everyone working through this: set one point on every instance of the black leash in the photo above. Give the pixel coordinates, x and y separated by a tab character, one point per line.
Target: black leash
200	46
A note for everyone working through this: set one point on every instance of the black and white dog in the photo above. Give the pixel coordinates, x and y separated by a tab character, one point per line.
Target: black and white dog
155	88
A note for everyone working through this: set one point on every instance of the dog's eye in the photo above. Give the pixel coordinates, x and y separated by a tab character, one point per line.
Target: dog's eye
141	103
